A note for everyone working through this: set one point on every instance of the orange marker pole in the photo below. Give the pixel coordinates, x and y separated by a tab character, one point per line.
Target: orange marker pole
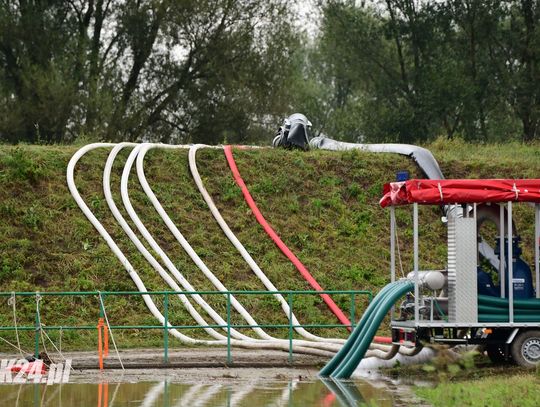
100	391
100	344
106	340
106	394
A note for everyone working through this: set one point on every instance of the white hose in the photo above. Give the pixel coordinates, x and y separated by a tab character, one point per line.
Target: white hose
140	152
103	232
250	343
147	255
192	156
139	283
155	246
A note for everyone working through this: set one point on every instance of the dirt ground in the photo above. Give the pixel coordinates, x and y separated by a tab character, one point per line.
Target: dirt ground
188	365
208	367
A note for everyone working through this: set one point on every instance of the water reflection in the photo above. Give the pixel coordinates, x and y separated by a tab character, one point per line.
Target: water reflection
165	394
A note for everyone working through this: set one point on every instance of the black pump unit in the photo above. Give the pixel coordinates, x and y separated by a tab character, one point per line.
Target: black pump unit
521	272
294	133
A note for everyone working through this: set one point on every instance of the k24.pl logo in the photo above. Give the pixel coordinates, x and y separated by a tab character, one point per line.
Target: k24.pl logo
24	371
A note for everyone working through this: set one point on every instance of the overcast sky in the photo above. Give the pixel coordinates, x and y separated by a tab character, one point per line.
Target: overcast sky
307	15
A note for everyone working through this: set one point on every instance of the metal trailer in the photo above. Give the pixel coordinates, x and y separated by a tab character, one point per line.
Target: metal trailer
422	318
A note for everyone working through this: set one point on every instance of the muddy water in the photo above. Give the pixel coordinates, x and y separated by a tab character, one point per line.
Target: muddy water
256	392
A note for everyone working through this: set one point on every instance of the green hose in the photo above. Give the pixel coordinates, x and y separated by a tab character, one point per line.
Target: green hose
441	312
348	365
532	303
343	364
491	309
342	353
487	309
494	309
503	317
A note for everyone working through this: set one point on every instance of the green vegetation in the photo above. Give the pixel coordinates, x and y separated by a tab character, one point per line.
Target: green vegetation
323	204
518	390
470	380
208	71
411	70
168	70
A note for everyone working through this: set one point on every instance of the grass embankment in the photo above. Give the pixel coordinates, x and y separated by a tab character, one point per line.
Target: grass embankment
501	388
323	204
471	380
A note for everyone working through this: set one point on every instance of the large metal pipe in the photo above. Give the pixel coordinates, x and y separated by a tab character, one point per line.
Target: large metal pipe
420	155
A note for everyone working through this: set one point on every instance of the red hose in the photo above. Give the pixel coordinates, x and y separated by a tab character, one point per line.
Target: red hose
283	247
329	400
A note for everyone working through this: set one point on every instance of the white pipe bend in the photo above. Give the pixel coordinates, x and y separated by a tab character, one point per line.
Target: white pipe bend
112	244
140	153
155	246
268	342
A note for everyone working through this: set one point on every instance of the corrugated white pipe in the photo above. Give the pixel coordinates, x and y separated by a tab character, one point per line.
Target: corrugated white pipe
114	247
192	156
140	246
140	152
139	283
156	247
281	344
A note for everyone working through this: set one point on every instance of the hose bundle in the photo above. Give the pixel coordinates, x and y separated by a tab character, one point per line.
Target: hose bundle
347	359
494	309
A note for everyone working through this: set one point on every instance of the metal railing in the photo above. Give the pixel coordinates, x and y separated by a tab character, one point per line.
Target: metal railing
102	295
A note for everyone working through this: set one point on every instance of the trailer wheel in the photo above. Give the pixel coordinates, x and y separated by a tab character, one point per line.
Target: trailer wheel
525	348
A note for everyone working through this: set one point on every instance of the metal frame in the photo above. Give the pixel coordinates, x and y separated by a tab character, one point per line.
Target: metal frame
537	248
510	267
427	324
505	230
502	255
39	296
415	244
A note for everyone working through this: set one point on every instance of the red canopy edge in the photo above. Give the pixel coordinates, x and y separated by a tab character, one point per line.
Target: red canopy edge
448	191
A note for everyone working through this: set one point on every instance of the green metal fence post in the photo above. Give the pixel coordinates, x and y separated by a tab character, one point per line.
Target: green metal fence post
37	399
38	327
166	329
229	356
166	396
353	307
290	297
101	310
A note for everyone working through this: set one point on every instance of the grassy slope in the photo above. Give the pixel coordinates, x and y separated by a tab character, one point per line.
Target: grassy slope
323	204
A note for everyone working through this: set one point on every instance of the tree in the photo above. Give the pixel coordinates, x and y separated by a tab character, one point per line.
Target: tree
141	70
518	61
37	79
409	70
